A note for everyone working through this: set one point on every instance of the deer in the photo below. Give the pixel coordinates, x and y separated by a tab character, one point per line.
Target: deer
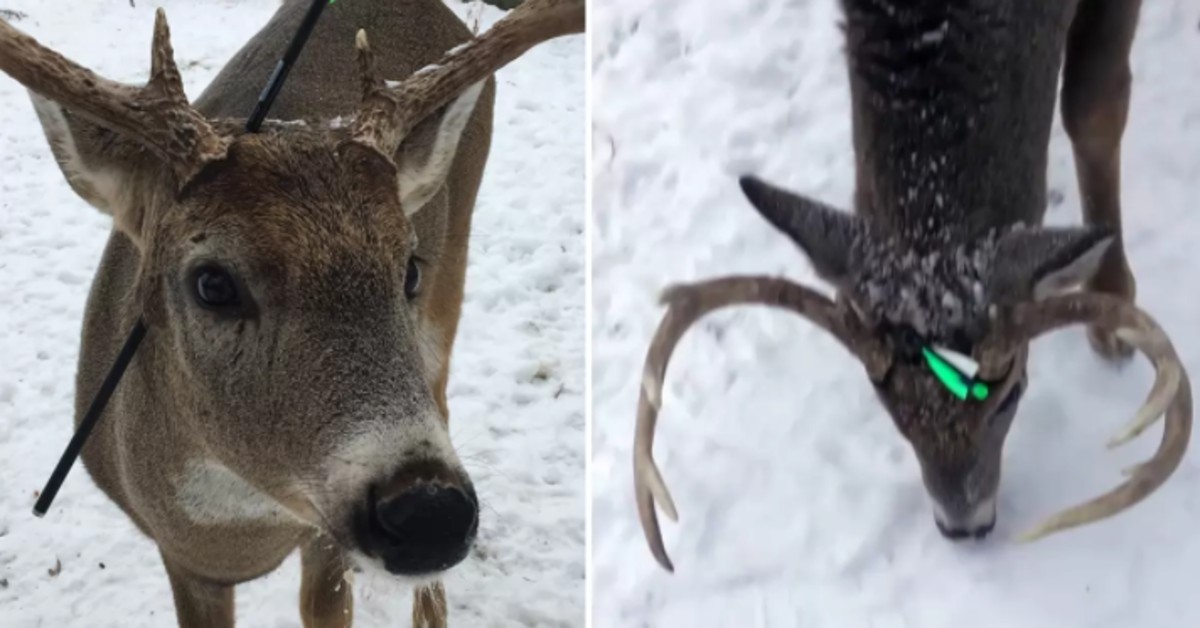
945	258
302	288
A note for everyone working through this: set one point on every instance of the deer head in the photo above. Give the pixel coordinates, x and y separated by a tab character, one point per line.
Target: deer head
277	272
903	295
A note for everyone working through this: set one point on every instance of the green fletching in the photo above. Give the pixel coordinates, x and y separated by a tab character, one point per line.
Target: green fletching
958	383
946	374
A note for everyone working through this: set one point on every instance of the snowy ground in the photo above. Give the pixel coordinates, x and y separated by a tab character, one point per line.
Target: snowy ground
516	391
800	503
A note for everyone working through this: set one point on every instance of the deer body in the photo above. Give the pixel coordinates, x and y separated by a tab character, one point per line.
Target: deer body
302	288
159	473
952	108
952	105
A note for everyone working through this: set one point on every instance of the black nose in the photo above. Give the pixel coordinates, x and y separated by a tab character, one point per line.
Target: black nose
958	534
426	528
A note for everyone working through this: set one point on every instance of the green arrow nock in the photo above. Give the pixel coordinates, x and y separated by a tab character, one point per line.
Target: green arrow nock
953	379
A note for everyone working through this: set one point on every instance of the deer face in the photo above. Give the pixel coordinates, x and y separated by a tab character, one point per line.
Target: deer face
937	299
935	291
288	281
284	289
957	444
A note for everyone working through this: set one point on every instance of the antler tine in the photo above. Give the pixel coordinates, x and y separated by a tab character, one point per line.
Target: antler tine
388	114
156	116
366	65
163	71
686	305
1171	394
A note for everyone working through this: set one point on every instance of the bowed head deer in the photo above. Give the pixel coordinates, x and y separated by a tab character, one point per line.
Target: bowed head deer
945	251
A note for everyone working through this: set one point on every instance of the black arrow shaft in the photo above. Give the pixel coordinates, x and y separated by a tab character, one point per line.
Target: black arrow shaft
71	454
284	67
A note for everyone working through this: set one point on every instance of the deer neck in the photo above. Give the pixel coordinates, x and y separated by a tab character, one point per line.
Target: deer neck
952	106
406	35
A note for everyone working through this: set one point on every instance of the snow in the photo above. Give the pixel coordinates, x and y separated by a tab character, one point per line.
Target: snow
516	392
800	503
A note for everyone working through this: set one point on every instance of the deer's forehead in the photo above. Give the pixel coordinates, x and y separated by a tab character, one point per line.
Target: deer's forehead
928	415
939	291
300	166
298	201
305	242
297	235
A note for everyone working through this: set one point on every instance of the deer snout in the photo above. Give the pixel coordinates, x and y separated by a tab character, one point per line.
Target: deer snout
420	522
975	522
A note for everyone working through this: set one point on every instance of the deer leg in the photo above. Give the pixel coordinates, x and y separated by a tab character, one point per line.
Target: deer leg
439	392
429	606
1095	105
199	603
443	312
326	599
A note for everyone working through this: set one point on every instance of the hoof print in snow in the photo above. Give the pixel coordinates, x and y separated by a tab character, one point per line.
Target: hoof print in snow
56	569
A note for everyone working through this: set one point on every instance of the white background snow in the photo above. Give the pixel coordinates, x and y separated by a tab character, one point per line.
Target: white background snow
517	388
800	503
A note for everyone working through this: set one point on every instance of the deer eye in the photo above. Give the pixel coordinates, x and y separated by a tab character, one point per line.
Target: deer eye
215	288
412	279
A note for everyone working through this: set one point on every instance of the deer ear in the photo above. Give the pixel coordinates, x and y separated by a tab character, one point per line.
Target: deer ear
826	235
1038	263
99	165
426	155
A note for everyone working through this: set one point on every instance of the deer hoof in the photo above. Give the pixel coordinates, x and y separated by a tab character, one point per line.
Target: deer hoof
1105	343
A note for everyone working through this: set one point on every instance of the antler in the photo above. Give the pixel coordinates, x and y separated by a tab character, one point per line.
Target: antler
389	113
157	116
686	305
1171	393
1012	331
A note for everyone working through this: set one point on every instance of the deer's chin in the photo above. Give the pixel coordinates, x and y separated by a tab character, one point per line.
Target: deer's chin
373	568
